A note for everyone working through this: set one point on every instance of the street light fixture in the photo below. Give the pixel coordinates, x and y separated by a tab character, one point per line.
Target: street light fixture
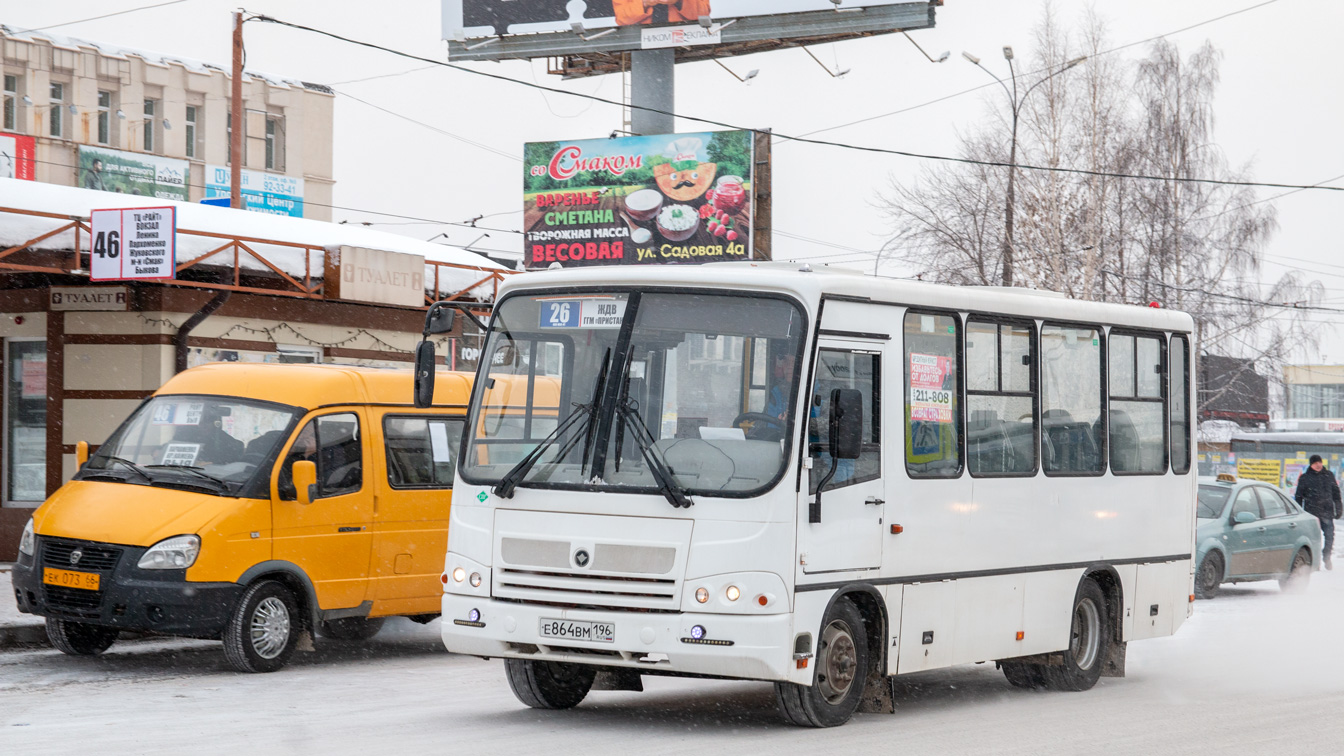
744	79
1016	101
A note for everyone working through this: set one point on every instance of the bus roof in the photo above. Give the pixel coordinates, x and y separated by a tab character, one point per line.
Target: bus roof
309	386
811	284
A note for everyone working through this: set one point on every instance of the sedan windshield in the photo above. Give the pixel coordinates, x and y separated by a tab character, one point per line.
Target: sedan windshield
672	393
209	442
1212	499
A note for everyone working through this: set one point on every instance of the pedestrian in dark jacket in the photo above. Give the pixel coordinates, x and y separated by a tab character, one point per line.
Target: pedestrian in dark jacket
1318	493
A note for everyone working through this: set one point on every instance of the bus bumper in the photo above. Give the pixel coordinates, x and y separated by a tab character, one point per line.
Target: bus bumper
749	647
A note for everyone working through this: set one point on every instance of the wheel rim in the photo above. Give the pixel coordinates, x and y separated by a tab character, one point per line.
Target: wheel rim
270	627
1085	640
1208	575
839	662
1300	561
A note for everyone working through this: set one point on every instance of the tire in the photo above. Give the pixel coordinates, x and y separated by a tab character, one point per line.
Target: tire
1089	639
263	630
1299	574
80	638
549	685
842	671
1023	674
1209	576
351	628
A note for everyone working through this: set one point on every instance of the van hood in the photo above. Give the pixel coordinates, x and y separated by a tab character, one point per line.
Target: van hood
126	513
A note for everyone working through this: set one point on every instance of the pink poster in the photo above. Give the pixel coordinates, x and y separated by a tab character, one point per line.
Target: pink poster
929	400
34	376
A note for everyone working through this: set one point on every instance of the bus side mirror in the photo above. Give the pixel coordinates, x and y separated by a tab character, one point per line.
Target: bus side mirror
81	454
846	424
305	480
424	374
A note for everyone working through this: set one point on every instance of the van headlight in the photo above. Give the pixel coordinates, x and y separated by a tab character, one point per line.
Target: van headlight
176	553
27	543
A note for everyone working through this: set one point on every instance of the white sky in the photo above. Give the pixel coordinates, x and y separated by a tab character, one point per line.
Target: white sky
1279	108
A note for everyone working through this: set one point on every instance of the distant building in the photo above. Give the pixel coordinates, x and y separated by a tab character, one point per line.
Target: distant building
100	116
1230	389
1315	392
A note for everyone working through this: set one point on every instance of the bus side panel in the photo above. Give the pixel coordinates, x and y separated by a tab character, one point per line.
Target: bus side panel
989	617
1161	593
1048	611
1129	575
928	626
894	595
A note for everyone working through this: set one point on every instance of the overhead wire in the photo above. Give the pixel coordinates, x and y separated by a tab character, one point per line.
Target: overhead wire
105	15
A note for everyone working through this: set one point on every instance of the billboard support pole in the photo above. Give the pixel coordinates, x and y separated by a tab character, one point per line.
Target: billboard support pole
653	85
236	114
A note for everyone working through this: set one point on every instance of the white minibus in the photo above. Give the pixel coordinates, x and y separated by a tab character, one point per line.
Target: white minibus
817	478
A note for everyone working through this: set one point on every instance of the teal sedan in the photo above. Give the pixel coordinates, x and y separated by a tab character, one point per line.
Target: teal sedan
1249	531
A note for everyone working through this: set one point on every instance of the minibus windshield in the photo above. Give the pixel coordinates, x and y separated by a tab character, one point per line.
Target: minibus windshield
676	392
208	442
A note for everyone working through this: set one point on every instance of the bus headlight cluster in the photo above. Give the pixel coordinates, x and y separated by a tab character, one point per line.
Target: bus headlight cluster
459	575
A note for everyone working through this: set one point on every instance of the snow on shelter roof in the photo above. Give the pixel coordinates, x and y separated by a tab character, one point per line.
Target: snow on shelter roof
70	202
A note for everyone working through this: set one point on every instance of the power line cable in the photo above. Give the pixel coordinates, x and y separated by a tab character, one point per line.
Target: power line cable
105	15
433	128
805	140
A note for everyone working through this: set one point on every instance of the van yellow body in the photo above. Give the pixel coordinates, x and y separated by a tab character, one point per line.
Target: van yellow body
346	560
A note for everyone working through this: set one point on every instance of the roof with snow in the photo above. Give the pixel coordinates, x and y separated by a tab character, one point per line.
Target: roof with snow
67	201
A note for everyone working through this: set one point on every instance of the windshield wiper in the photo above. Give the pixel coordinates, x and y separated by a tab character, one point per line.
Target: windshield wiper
136	468
662	472
584	412
195	471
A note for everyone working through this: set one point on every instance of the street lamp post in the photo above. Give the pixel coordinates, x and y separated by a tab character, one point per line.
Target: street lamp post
1016	102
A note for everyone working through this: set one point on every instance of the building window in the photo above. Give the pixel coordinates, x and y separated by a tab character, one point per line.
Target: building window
11	118
275	144
56	111
1315	400
104	117
149	125
25	422
192	113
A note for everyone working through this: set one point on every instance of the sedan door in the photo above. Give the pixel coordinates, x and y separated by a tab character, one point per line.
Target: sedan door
1281	530
1246	542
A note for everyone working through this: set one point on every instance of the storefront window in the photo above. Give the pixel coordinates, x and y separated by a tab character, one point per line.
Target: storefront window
25	420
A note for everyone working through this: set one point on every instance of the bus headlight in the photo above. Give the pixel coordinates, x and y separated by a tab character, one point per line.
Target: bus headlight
459	575
176	553
732	594
736	593
702	595
27	543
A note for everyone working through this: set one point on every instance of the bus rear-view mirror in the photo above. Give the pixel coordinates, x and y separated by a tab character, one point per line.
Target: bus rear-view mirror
846	423
424	374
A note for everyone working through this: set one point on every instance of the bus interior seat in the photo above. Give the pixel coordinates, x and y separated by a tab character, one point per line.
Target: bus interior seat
1124	442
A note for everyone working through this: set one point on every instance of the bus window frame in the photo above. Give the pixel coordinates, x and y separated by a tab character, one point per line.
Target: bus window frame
1033	382
1161	338
1105	440
1186	388
959	421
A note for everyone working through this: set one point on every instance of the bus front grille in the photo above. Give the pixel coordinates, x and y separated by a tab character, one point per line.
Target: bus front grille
616	592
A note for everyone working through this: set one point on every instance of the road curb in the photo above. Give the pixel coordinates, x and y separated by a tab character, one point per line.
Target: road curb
16	636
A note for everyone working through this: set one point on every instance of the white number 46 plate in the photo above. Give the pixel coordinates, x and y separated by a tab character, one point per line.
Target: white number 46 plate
602	632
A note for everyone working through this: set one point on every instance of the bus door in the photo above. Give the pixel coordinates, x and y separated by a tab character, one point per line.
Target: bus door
843	531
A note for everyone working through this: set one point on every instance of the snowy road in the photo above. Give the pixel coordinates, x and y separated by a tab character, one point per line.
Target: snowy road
1254	671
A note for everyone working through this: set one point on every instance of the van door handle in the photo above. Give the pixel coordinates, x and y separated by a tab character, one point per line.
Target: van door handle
874	500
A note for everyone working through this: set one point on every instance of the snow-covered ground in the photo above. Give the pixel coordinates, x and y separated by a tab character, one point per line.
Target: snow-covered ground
1254	671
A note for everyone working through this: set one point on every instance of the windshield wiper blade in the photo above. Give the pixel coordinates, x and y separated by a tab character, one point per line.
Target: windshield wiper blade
136	468
195	471
662	472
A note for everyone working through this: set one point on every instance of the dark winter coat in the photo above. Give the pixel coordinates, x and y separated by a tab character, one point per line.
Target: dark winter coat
1318	493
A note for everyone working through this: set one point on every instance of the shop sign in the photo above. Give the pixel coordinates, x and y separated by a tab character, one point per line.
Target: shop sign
677	198
17	156
87	298
372	275
134	243
262	192
133	173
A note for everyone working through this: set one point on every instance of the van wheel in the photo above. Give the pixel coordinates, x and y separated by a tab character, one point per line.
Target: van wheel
1299	574
1209	577
263	630
1089	637
549	685
842	671
1023	674
80	638
351	628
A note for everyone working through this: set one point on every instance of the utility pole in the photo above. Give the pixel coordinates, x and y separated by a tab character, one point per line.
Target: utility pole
237	118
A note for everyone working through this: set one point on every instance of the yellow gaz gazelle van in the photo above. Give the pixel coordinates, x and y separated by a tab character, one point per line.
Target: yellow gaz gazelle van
252	503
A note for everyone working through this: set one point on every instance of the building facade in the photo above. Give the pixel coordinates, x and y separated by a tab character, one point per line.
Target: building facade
1315	392
97	116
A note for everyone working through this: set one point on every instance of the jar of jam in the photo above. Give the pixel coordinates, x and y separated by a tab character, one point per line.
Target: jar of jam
729	195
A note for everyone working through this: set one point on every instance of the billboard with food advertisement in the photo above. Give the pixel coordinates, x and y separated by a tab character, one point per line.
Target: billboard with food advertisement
674	198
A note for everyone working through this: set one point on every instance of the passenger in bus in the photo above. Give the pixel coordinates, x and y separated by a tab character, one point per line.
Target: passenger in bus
1318	493
778	403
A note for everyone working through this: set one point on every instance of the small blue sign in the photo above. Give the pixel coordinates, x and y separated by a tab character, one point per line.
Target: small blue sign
560	314
217	201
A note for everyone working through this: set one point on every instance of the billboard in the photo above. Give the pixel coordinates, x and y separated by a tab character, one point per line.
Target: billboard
473	27
133	173
673	198
16	156
262	192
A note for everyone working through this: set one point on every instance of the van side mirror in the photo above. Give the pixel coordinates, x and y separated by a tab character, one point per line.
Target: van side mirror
424	374
846	424
81	454
439	320
1244	518
305	481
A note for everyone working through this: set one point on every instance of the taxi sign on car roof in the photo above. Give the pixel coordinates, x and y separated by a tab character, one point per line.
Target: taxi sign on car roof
1227	478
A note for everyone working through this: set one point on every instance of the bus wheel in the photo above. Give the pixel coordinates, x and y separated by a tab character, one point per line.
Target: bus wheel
1299	574
1023	674
1089	637
842	670
1209	577
79	638
549	685
263	630
351	628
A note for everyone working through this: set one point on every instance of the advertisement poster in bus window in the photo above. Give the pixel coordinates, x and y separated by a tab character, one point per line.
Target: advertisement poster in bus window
930	398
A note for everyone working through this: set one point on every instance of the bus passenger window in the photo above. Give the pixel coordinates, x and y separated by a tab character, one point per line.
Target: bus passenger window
1137	414
1180	409
838	369
932	403
1071	398
1000	399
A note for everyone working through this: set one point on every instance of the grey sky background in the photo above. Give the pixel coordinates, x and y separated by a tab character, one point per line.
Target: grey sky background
1278	109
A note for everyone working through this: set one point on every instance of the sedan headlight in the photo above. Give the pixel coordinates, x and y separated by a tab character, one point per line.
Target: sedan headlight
176	553
27	542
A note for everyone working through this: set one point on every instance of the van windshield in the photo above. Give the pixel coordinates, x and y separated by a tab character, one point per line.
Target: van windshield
212	443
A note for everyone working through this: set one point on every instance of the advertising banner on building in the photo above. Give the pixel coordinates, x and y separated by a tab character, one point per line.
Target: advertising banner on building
262	192
676	198
133	244
133	173
17	153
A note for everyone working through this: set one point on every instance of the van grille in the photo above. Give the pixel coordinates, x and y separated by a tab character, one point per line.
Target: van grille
587	590
73	601
93	557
